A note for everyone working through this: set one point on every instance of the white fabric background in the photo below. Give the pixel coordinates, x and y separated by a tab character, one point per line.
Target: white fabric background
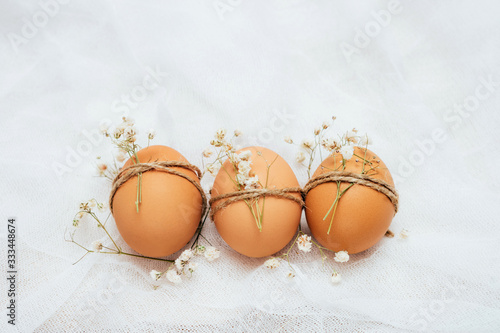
237	71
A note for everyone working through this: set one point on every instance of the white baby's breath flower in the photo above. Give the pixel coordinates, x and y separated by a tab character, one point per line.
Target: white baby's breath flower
237	133
300	157
129	132
213	168
241	179
76	222
191	267
308	144
317	131
288	139
101	206
245	155
272	263
173	276
211	253
352	136
325	125
244	168
200	249
186	255
341	256
207	152
155	275
252	182
304	243
347	152
220	134
84	206
179	264
336	278
117	132
97	246
151	134
404	234
92	203
330	144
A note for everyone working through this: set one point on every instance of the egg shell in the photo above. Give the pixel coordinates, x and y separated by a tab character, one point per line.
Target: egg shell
170	209
236	224
363	215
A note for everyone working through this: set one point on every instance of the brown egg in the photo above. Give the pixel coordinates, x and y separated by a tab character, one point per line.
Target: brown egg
362	216
236	224
170	209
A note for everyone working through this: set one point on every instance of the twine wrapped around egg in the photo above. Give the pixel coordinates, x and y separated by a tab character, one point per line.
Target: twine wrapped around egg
164	166
254	194
355	178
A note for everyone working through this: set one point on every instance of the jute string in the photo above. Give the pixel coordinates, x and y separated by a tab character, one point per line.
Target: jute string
164	166
254	194
361	179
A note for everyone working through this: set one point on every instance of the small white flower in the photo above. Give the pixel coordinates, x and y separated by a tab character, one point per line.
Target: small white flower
187	255
173	276
127	121
272	263
336	278
179	264
84	206
300	157
288	140
347	152
213	169
97	246
365	140
290	276
76	222
317	130
92	203
117	133
304	243
151	134
252	182
308	144
245	155
341	256
325	125
352	136
244	168
207	152
129	132
404	234
237	133
241	179
211	253
155	275
191	267
220	134
330	144
101	207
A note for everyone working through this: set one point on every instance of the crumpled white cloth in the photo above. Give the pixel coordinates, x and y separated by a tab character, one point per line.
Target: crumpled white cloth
422	78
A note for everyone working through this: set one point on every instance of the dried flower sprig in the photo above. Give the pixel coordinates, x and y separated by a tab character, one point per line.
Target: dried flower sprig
184	266
124	137
86	209
305	243
245	178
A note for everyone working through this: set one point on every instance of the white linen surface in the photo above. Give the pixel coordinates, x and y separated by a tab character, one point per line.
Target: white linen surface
423	80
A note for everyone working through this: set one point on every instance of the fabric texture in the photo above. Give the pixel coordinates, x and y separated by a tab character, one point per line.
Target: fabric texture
422	78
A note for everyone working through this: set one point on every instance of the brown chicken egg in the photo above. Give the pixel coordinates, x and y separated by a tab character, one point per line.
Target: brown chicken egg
362	215
170	209
237	225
